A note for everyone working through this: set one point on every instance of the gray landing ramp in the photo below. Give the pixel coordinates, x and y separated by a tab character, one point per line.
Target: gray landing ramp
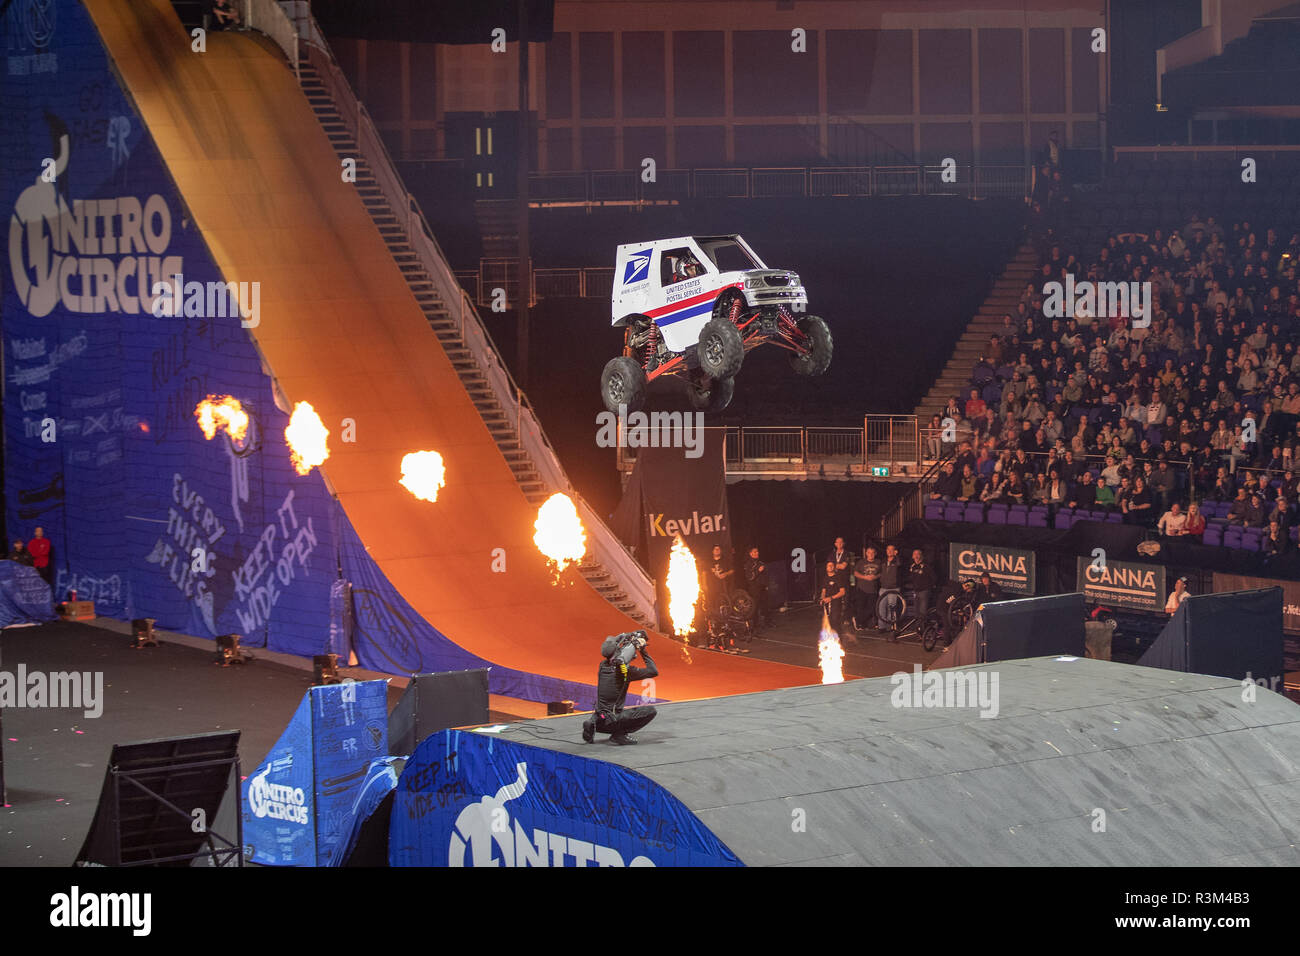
1186	772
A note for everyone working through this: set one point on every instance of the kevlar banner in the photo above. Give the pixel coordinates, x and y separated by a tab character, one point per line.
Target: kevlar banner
671	494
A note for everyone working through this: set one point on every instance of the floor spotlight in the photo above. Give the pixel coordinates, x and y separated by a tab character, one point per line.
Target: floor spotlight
142	633
326	667
228	651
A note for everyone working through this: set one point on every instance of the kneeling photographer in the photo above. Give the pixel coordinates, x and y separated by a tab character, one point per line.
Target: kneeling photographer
612	681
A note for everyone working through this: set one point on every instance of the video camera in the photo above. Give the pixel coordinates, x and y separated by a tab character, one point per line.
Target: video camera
626	646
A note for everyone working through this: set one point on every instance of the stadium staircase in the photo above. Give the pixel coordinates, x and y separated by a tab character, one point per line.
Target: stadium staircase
1003	298
503	408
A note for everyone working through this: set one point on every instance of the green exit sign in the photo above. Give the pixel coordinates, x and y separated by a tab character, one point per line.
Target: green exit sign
880	471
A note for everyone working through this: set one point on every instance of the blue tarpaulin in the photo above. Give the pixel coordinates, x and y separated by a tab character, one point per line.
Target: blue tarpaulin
470	799
380	780
24	595
298	803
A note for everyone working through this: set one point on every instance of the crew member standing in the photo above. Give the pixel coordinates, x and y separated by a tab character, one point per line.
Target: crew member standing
39	547
922	580
832	596
866	575
756	584
717	579
843	559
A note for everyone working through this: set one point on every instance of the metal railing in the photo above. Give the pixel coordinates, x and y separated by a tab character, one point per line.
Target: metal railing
503	274
884	447
606	549
910	505
1231	154
778	182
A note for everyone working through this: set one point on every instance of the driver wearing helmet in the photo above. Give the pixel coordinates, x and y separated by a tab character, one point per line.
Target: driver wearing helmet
688	267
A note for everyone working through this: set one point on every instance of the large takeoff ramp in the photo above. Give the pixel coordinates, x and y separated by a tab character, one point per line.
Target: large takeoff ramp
1039	762
340	329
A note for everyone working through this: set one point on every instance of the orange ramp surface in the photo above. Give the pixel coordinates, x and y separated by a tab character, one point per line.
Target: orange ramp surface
340	329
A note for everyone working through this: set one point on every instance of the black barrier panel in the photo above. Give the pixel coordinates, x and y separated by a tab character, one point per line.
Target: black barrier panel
159	799
1033	627
434	702
1237	635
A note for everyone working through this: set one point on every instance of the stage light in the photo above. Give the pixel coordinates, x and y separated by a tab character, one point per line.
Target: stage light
557	707
326	668
142	633
228	651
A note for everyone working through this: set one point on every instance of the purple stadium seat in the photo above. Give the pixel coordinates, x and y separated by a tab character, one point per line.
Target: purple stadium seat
1232	538
953	511
997	515
934	511
1038	519
1018	517
974	511
1114	518
1252	542
1213	536
1210	509
1064	520
1294	533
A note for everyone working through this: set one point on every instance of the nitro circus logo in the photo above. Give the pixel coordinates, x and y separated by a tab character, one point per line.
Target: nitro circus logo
484	836
90	255
276	801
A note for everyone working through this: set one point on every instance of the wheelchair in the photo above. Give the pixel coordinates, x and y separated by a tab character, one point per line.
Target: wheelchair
895	612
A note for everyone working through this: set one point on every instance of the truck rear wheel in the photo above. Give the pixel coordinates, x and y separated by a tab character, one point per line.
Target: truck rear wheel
711	395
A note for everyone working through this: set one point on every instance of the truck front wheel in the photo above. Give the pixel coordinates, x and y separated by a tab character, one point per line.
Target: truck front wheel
623	383
820	346
720	349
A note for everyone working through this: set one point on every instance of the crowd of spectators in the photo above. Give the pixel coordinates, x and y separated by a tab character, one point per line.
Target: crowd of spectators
1111	413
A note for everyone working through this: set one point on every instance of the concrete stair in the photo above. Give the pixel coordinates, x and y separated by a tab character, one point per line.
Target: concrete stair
446	326
1003	298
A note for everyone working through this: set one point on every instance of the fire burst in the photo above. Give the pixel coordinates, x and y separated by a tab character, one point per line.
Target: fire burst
306	437
683	591
831	654
423	474
222	413
559	533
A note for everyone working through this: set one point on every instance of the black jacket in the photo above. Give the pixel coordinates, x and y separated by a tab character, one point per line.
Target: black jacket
613	680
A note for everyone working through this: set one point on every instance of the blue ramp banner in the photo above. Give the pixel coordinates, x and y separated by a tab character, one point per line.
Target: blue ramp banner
298	803
470	799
